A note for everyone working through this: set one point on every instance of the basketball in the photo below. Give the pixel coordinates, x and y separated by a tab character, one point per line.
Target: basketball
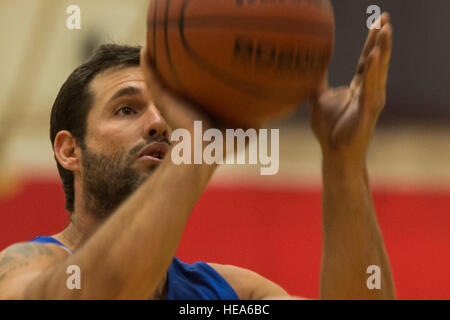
244	61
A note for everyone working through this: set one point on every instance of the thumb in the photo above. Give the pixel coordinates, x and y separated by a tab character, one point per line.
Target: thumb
318	90
149	74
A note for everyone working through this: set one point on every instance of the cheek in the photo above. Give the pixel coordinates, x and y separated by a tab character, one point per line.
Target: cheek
112	137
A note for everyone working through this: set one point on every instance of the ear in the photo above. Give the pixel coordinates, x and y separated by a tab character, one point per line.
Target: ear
66	150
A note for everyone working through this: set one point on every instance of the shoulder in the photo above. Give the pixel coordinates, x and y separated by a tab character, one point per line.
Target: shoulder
25	251
248	284
21	260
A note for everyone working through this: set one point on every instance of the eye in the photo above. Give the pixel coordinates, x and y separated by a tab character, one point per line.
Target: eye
126	111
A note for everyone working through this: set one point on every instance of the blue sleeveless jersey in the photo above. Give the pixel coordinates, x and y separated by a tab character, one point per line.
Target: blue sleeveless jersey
197	281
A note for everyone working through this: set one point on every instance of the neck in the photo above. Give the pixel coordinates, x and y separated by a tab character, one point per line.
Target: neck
80	228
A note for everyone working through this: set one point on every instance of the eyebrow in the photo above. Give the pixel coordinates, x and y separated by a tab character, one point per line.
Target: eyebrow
127	91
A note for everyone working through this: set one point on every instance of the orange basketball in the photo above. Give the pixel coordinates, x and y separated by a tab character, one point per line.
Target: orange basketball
246	61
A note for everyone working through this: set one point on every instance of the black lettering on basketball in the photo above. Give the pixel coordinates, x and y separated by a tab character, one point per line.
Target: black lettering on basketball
301	60
243	49
284	58
265	54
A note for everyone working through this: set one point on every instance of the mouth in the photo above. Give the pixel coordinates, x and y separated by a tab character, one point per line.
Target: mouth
154	152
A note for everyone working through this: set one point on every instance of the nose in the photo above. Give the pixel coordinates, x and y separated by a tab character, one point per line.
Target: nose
156	126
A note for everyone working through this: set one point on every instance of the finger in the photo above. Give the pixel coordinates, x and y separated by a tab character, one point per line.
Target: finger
370	80
373	34
368	46
158	93
322	87
384	42
385	18
150	77
162	99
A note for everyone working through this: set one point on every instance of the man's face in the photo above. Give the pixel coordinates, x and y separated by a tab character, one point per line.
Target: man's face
125	138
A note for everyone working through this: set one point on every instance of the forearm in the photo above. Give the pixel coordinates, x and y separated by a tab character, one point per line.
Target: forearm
352	240
129	254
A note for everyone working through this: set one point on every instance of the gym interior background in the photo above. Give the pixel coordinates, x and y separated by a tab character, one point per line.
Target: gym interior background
270	224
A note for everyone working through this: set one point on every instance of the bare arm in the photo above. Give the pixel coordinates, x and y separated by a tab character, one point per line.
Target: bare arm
352	240
343	120
250	285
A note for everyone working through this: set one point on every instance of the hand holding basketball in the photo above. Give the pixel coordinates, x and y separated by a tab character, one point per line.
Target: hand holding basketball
343	119
178	112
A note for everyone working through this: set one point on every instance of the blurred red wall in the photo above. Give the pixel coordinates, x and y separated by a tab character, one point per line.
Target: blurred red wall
274	232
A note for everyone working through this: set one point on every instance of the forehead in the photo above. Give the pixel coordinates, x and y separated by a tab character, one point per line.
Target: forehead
107	83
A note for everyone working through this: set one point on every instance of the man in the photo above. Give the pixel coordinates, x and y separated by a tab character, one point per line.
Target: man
128	206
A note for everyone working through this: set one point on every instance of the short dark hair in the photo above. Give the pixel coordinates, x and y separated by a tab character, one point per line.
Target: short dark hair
74	101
